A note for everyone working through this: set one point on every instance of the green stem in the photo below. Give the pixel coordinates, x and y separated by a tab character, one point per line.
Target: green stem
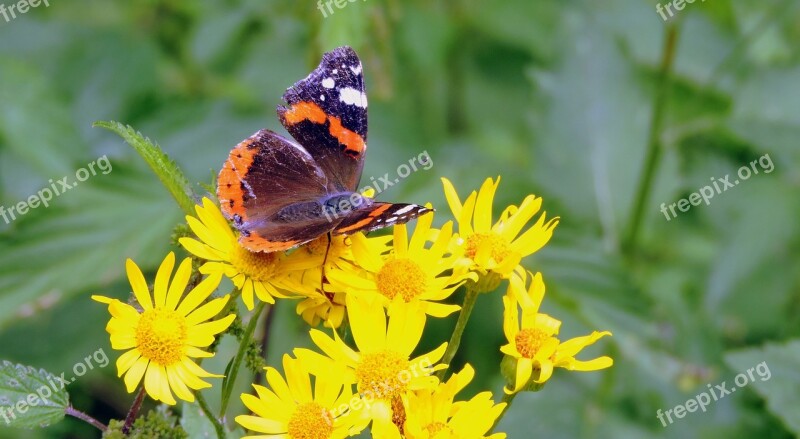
71	411
134	411
230	381
653	143
508	399
455	340
218	427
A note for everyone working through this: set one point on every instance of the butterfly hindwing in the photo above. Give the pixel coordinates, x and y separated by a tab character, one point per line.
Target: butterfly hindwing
269	187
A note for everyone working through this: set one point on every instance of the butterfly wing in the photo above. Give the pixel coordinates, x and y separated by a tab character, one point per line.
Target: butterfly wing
327	113
270	187
379	215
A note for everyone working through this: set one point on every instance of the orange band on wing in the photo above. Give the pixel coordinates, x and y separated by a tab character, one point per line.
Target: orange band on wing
305	111
229	182
256	243
372	215
311	112
350	139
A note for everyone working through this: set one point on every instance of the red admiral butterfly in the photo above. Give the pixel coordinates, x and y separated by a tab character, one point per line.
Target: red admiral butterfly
281	194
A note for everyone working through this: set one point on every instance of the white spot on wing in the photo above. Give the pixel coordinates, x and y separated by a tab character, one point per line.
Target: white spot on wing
328	83
322	98
335	71
351	96
357	69
404	210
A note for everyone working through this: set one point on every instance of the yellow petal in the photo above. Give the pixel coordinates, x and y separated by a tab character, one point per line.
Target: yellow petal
126	360
162	280
483	206
135	373
406	324
298	380
263	425
368	321
524	371
139	285
400	241
200	250
179	283
452	198
207	311
530	205
585	366
177	384
571	347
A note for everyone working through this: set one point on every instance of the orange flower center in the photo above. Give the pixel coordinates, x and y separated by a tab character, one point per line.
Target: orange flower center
498	246
401	277
311	421
259	267
161	336
337	248
530	340
436	427
380	375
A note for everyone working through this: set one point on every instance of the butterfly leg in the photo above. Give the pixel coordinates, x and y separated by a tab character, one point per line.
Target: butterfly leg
322	277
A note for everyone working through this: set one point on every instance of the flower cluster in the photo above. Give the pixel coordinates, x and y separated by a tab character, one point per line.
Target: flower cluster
380	291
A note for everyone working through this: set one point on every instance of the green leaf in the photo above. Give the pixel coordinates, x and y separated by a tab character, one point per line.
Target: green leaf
30	398
195	422
79	244
776	377
165	168
24	108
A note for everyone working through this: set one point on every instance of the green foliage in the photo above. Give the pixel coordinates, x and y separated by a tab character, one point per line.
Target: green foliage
781	386
159	423
197	424
30	398
170	175
554	96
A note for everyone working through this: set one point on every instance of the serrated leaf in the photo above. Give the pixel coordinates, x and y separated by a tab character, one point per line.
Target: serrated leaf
776	377
79	244
30	398
164	167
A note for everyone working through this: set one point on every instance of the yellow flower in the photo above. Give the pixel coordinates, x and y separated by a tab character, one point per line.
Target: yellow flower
291	410
534	345
413	272
382	368
433	414
497	248
319	305
167	333
251	272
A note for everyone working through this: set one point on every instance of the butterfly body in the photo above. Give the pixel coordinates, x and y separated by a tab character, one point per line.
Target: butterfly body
280	193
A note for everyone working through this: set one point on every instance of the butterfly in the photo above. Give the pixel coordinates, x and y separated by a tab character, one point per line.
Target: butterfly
281	194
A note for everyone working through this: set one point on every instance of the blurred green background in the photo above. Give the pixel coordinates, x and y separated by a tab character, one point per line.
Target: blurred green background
560	98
